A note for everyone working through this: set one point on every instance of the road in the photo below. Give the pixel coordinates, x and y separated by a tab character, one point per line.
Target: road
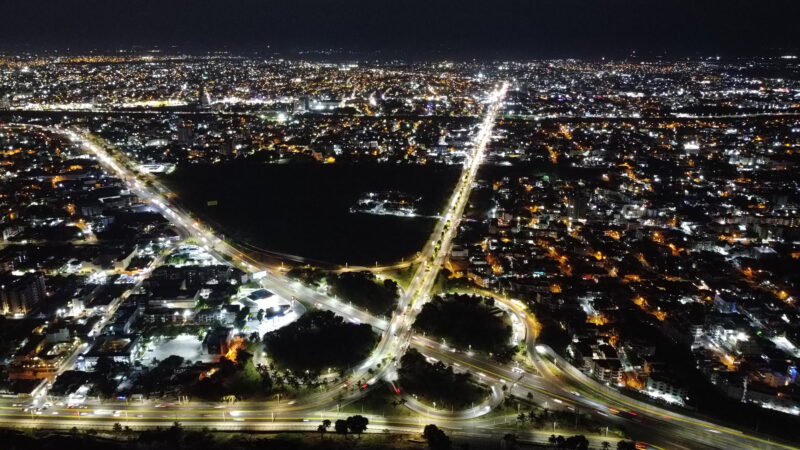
397	331
564	385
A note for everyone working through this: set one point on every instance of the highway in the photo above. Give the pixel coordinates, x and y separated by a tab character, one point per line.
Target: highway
566	386
557	384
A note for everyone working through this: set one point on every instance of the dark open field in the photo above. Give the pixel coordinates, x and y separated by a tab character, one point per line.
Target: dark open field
303	209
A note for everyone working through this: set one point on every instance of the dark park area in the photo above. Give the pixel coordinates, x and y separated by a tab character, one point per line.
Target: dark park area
437	383
320	340
304	209
466	322
364	290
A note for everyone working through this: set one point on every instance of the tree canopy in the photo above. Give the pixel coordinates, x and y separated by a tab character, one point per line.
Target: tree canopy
365	291
241	379
436	382
464	321
437	439
357	424
320	340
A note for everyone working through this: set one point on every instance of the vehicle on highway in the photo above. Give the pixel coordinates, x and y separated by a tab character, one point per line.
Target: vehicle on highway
630	415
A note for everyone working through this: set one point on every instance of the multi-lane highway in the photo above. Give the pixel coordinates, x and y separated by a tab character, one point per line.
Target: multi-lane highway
548	379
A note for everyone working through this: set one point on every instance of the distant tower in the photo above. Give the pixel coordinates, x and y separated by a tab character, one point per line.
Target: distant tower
578	206
186	133
300	105
205	98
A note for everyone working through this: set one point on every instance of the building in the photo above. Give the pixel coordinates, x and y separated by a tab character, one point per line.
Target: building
41	356
204	98
578	206
186	133
124	320
606	370
121	349
662	387
18	295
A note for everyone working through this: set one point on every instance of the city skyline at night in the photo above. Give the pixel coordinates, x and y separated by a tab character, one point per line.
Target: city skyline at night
319	225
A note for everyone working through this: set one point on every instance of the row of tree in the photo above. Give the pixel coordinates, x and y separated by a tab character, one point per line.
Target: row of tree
354	424
541	417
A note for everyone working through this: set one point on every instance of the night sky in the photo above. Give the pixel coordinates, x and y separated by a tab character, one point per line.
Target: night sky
445	28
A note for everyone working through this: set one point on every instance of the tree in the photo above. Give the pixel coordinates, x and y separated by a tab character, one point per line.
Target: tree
605	445
341	427
521	418
322	428
117	427
104	383
176	432
510	440
465	321
436	382
357	424
241	318
319	340
437	439
552	439
363	290
578	442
